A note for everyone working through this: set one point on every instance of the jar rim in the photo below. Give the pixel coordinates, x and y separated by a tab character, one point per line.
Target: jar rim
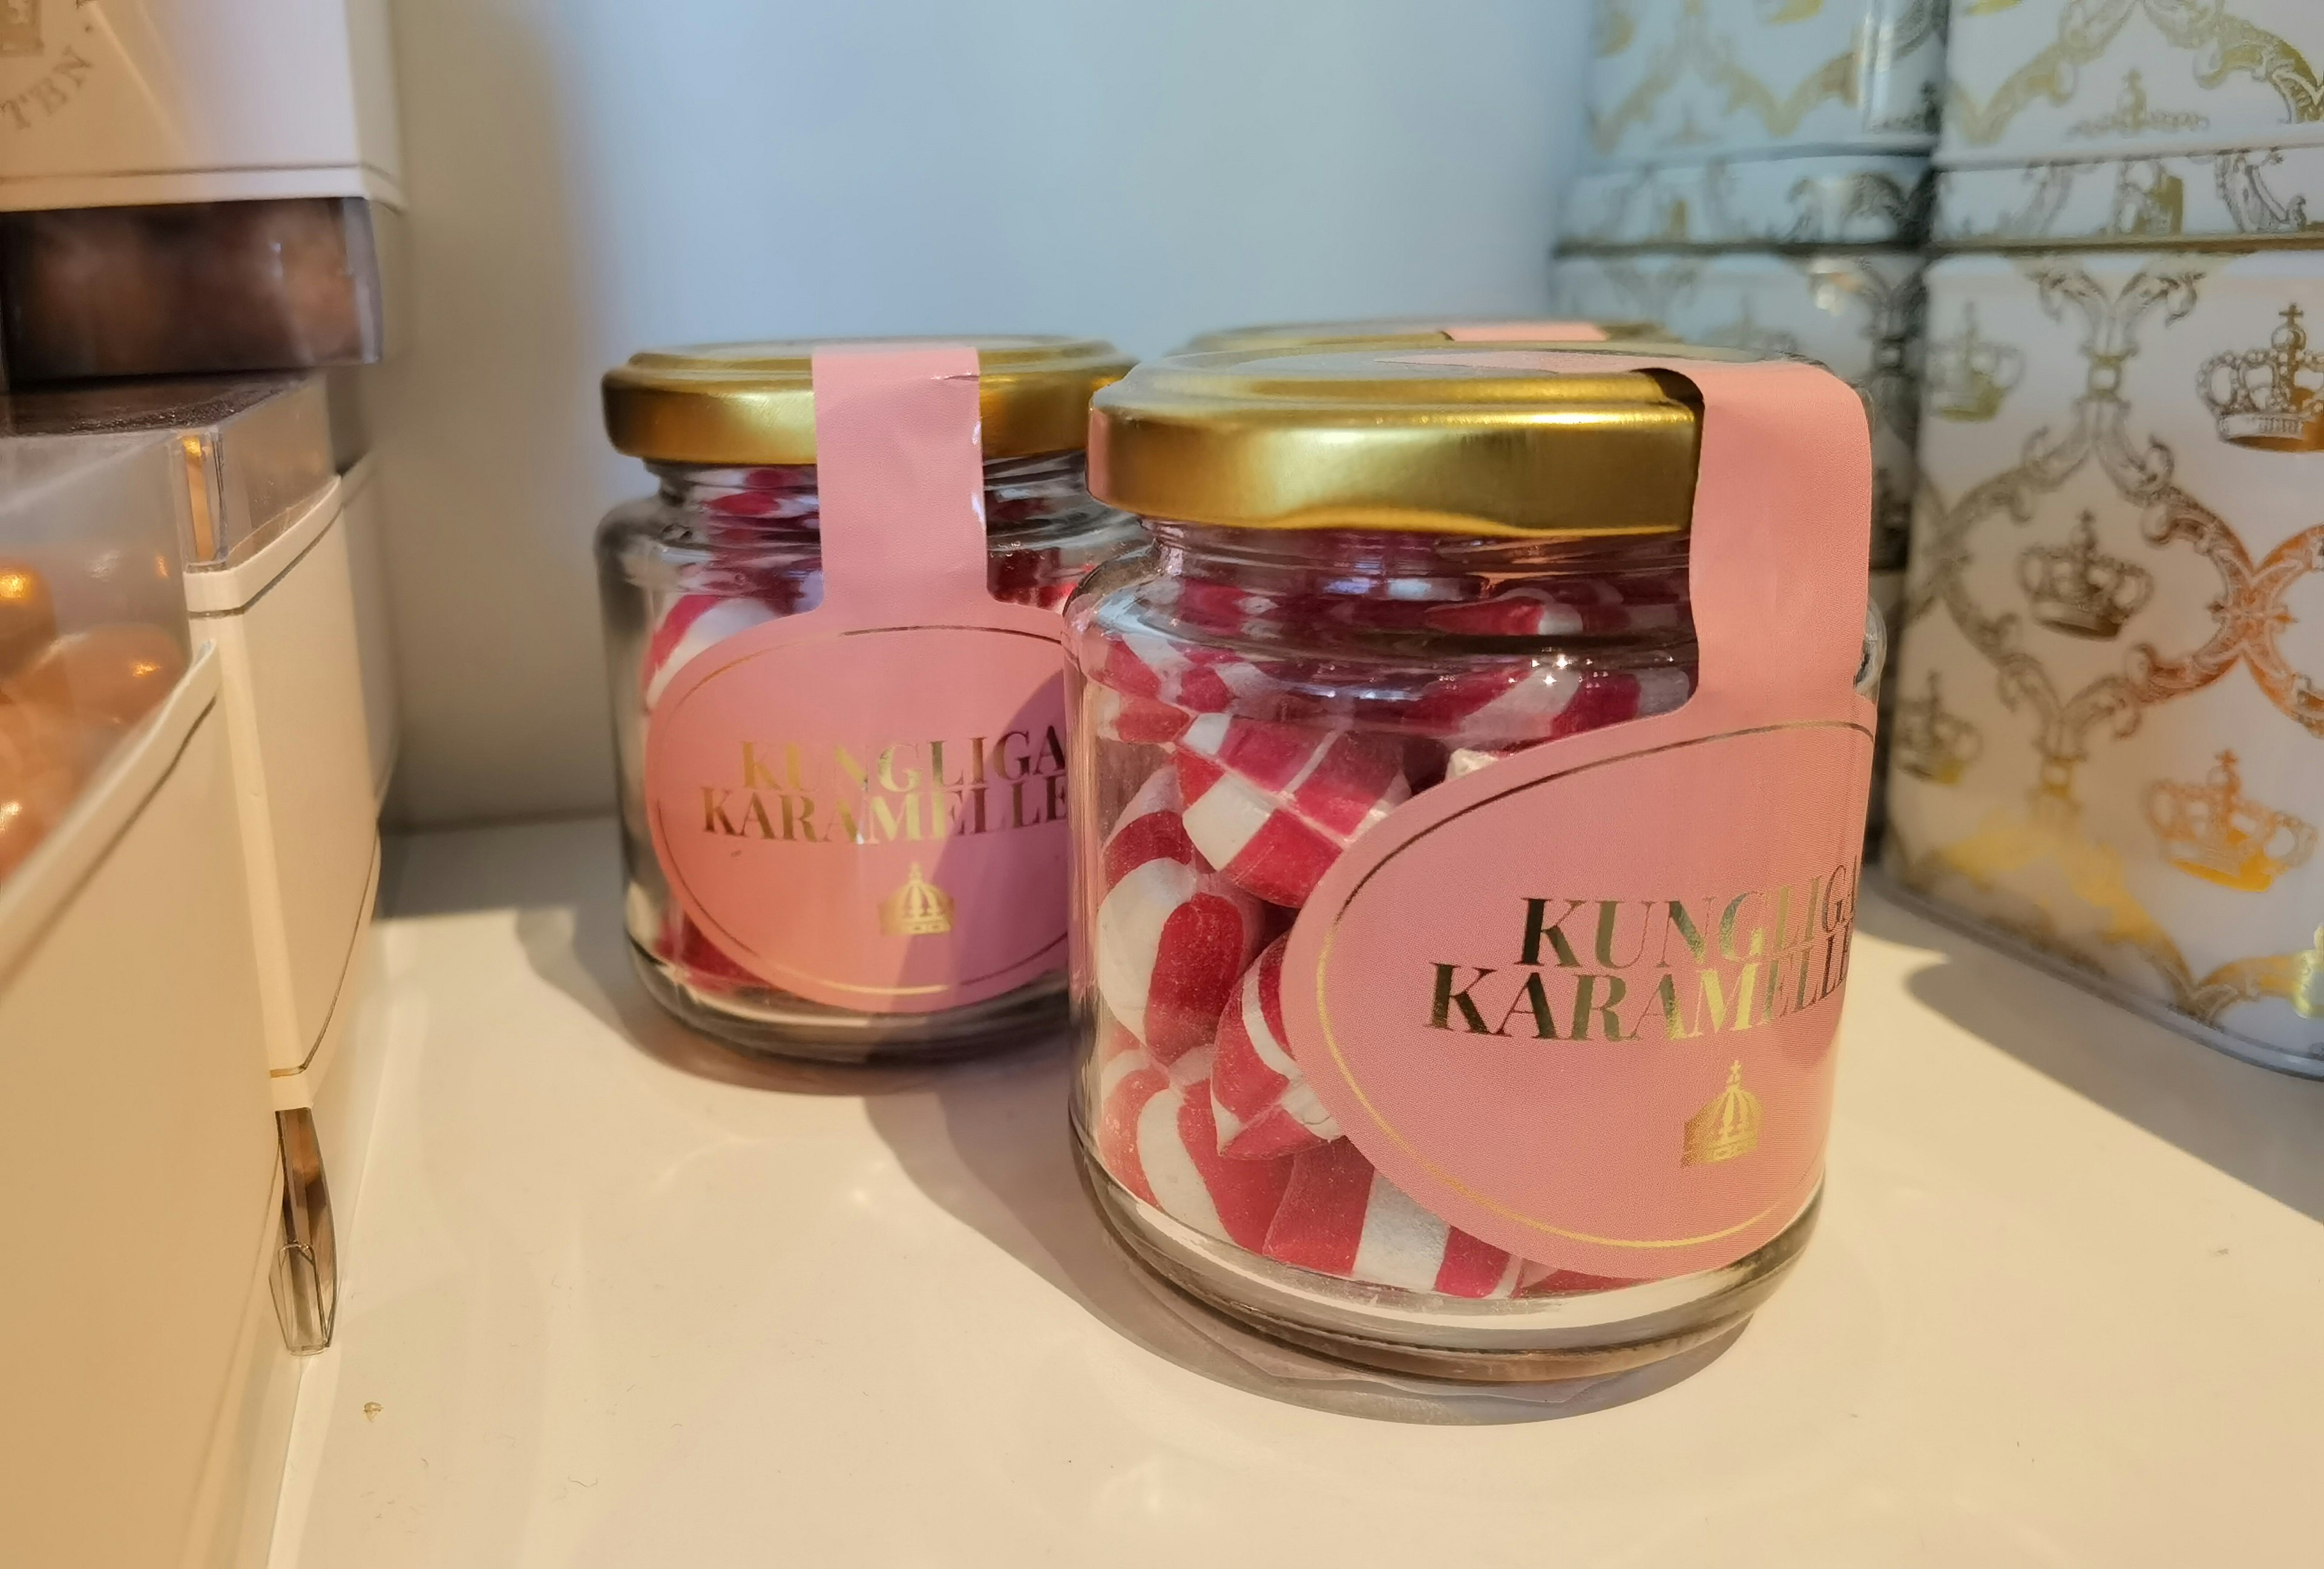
753	405
1492	439
1437	329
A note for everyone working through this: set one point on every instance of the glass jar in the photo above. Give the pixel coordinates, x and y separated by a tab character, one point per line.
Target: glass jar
1361	585
1418	329
732	543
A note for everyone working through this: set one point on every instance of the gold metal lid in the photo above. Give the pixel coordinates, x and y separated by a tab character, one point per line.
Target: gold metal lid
755	403
1419	329
1415	440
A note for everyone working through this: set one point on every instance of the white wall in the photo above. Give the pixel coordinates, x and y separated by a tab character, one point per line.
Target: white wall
591	177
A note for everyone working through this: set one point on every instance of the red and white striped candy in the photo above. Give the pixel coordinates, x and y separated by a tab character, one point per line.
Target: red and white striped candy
1171	936
1518	705
1135	721
1264	1104
1342	1217
1548	1280
1200	680
1580	607
691	626
1272	805
1157	1139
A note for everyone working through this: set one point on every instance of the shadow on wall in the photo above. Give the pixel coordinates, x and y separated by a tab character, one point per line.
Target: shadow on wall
987	1142
2257	1126
480	421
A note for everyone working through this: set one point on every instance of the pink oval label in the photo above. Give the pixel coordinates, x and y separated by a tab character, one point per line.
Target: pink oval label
1581	1004
1609	1048
872	818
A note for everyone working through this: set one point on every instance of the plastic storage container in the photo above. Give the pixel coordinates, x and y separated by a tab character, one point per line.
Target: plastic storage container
271	580
1356	734
203	287
832	644
140	1191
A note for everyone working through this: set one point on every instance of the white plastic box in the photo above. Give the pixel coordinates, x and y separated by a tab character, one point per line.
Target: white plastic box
280	582
140	1176
165	101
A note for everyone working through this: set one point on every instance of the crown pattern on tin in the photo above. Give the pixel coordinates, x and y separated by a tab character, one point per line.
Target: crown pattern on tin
1727	1128
2271	398
1930	742
1969	374
2307	982
2079	589
2215	832
918	910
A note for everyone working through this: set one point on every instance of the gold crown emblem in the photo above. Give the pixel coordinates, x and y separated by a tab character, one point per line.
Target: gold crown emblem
20	27
1725	1128
1932	742
918	910
2150	202
2308	985
2215	832
2271	398
2079	589
1969	376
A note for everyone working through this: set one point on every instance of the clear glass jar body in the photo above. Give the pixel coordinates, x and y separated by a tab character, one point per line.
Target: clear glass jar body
1442	655
716	552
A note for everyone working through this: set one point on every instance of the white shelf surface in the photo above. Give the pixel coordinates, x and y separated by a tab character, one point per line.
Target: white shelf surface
617	1296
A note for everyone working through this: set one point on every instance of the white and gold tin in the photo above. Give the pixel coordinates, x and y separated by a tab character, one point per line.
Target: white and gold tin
2039	80
1674	79
2234	196
1857	313
1850	198
2107	746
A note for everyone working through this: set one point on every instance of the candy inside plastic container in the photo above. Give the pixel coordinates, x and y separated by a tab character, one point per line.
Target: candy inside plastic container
1340	608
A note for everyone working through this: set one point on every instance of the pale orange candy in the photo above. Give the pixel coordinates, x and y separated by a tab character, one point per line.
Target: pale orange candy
107	678
41	770
28	615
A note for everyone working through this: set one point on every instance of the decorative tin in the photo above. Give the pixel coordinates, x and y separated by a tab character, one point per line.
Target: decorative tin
2247	196
1859	198
2108	743
1858	314
2076	79
1674	78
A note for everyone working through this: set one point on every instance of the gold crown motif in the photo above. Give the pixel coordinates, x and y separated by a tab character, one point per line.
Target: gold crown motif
20	27
2213	831
2308	986
1727	1128
2271	398
1969	376
2135	115
2079	589
1930	743
2153	209
918	910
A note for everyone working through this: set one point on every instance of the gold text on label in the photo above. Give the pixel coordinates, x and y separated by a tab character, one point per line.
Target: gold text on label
1656	969
904	791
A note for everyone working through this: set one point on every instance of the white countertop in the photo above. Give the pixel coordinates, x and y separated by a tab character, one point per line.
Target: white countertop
616	1296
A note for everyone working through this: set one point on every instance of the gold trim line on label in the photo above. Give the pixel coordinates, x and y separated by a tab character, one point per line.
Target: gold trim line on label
1339	1057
